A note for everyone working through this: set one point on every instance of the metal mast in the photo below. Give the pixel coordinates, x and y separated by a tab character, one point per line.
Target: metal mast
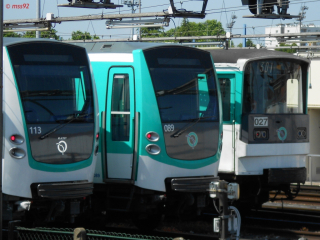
38	16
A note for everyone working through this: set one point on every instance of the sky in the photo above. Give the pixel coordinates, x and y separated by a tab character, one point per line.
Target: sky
220	10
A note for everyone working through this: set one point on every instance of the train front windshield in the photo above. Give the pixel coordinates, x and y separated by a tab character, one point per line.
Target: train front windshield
273	87
53	87
184	83
56	93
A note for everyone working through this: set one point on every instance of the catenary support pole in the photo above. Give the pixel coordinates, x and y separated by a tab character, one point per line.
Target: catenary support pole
140	19
38	16
244	40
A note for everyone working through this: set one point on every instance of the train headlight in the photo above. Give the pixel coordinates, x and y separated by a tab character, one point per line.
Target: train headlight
261	134
153	149
258	134
16	139
152	136
302	133
17	153
96	150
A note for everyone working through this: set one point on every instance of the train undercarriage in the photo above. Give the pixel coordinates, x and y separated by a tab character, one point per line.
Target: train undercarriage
255	189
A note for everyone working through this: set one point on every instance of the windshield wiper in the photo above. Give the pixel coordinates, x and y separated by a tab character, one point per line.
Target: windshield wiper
63	125
178	133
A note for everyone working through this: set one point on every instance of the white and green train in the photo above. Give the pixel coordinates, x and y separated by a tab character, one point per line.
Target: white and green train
161	128
265	121
50	127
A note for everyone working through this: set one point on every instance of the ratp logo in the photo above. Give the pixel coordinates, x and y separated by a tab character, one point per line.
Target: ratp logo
62	147
192	139
282	134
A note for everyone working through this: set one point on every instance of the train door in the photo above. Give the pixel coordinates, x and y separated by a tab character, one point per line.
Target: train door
227	87
120	123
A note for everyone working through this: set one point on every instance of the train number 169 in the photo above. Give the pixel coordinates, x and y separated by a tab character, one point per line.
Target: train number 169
261	122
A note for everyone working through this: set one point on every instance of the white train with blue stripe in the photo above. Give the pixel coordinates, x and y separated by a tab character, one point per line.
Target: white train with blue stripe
50	122
265	120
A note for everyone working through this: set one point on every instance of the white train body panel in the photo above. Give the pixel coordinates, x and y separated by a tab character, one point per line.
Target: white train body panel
251	159
151	174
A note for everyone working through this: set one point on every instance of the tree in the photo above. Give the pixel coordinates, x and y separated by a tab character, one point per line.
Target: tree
207	28
152	32
187	28
78	35
52	33
240	45
249	43
11	34
288	50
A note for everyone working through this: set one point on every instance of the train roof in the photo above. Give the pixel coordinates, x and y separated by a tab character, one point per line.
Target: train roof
11	40
233	55
119	47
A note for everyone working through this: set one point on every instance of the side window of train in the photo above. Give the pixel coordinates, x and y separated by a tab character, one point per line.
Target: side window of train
80	92
120	108
225	88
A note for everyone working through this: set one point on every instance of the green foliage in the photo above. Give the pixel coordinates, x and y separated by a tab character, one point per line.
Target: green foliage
240	45
78	35
12	34
152	32
43	34
249	43
288	50
32	34
187	28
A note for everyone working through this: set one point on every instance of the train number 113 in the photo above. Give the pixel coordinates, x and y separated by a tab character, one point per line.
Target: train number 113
35	130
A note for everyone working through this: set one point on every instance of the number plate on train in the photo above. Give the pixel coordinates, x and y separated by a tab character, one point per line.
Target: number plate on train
261	122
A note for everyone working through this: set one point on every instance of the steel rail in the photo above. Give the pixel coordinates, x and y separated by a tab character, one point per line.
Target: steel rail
293	232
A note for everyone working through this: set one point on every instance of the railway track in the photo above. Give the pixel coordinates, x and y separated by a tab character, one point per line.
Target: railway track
262	224
282	233
308	199
281	219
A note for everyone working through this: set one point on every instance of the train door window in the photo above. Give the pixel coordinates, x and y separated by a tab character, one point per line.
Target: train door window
120	108
225	88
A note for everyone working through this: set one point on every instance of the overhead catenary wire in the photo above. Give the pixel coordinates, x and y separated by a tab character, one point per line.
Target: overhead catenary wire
224	9
217	10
